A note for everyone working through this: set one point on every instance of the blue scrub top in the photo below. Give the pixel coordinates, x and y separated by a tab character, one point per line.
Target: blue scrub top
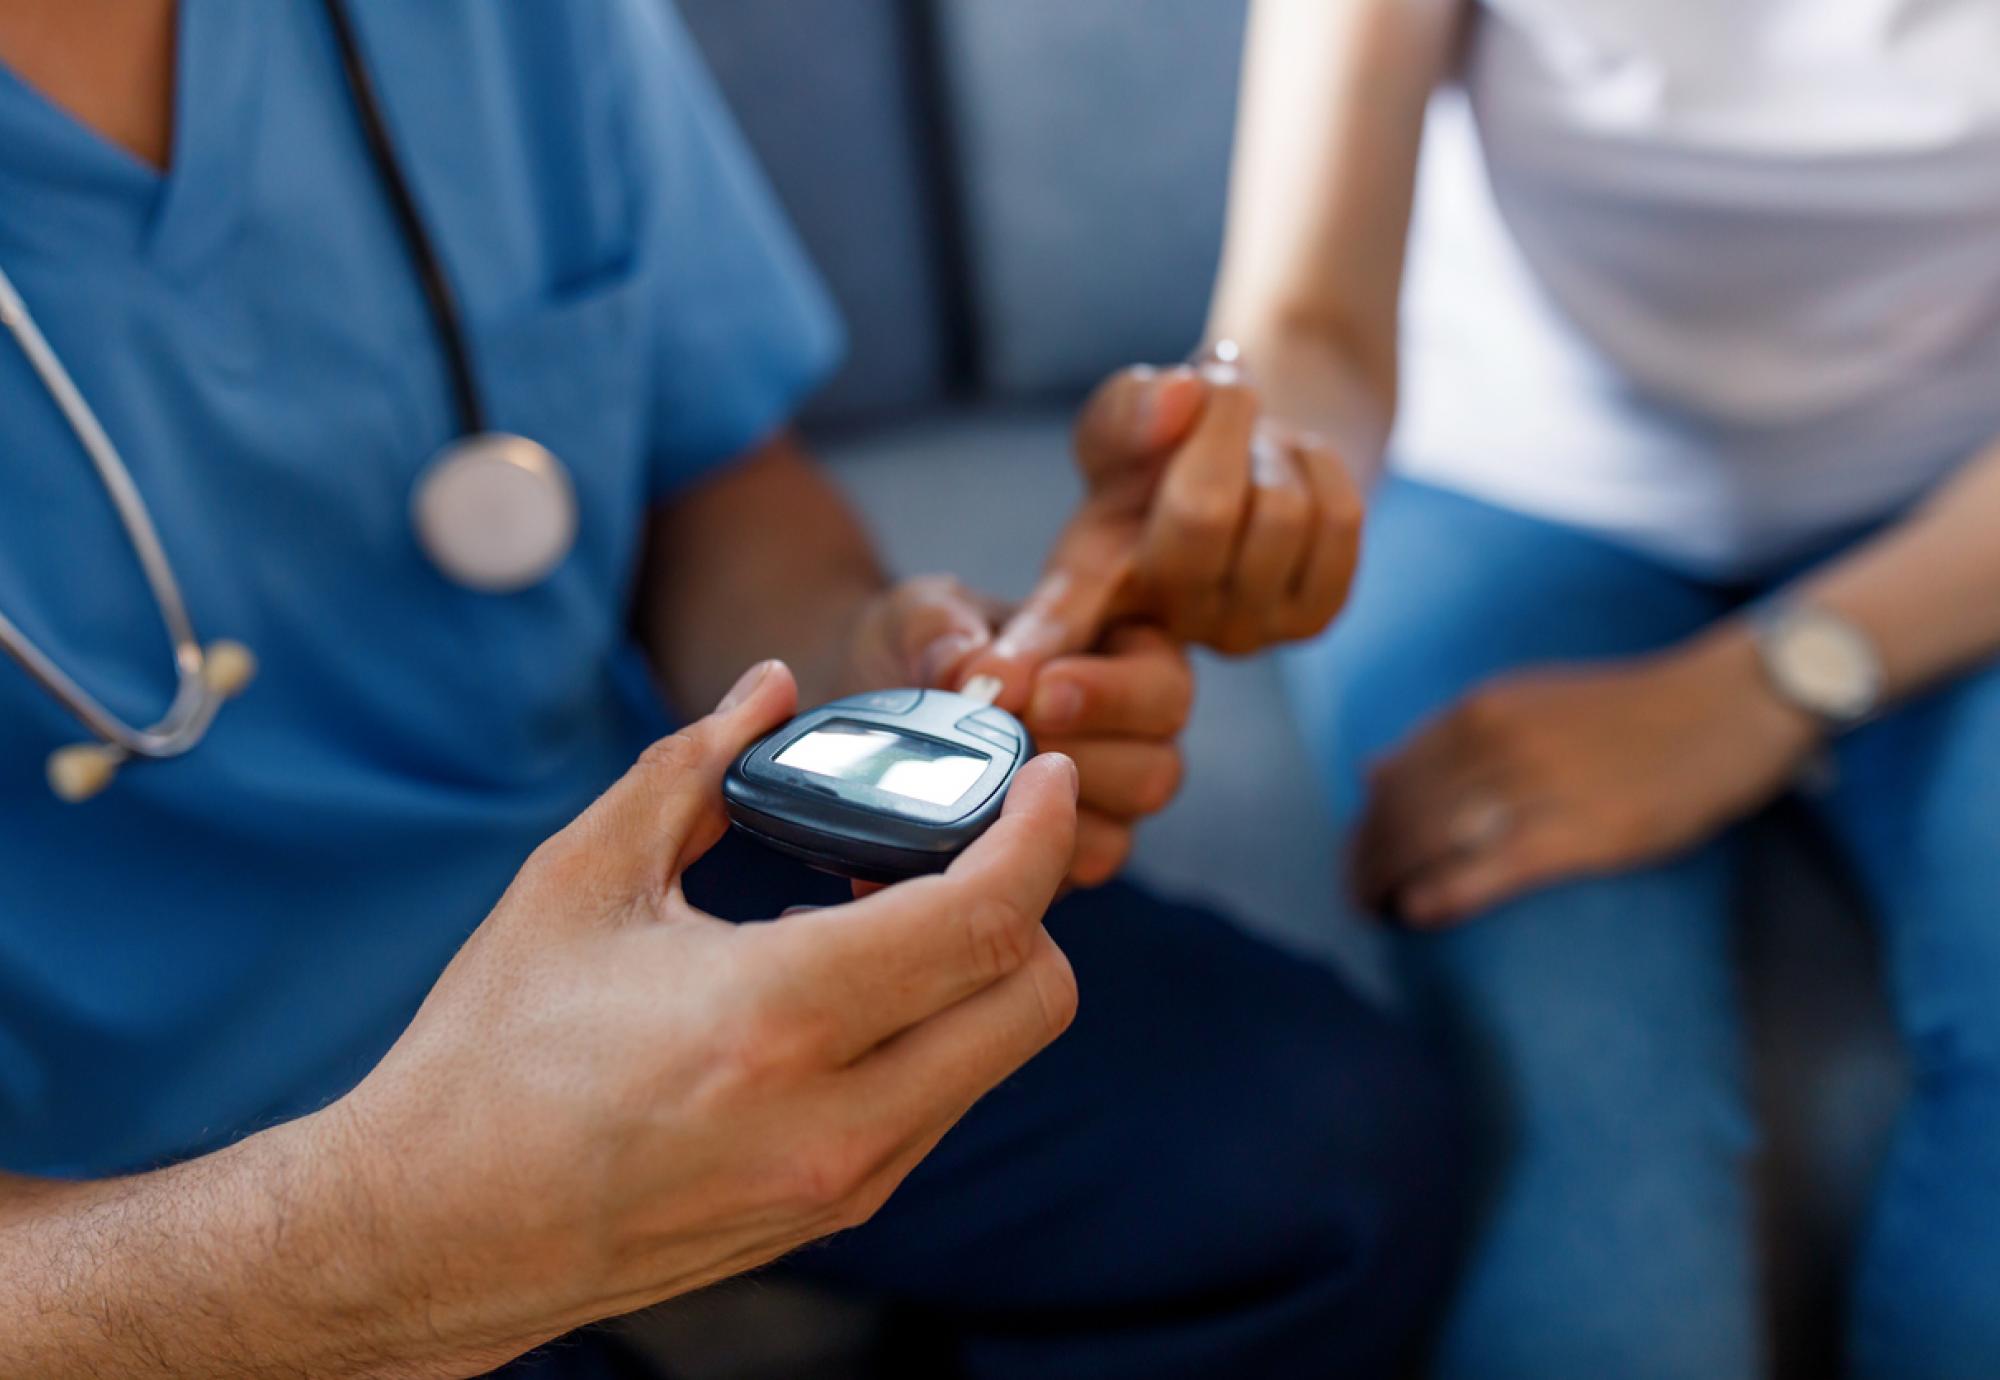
226	940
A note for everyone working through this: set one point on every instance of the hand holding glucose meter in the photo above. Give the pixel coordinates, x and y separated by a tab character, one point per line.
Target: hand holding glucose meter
883	786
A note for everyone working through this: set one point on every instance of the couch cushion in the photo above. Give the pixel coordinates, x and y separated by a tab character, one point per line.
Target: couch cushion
1091	143
825	94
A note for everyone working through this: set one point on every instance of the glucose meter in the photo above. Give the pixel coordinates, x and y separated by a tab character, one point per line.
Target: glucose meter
882	786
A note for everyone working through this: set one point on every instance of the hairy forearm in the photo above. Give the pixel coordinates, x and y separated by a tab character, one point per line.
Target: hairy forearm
767	559
1927	591
262	1260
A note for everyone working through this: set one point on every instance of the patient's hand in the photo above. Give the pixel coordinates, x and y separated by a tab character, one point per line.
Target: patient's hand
1117	708
1201	515
1550	774
1118	713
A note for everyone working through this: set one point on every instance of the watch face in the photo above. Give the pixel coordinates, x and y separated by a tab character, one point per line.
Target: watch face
1825	665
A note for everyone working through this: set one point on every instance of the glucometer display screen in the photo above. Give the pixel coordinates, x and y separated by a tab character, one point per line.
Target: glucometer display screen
915	768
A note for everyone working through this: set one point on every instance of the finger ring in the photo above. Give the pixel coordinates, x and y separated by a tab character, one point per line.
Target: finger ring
1480	823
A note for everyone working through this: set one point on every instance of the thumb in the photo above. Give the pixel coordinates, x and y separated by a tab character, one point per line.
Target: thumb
1137	414
666	811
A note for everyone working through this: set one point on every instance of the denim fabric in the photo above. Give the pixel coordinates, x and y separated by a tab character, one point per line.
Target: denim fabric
1600	1019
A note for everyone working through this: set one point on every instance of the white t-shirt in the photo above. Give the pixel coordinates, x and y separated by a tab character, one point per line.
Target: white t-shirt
1717	278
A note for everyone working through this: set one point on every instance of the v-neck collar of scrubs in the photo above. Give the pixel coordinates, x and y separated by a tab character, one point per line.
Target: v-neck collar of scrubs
80	182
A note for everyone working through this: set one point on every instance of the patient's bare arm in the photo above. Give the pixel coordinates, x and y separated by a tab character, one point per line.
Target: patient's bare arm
1319	209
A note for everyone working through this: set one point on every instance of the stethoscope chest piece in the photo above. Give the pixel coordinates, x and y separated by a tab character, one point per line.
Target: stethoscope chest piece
495	512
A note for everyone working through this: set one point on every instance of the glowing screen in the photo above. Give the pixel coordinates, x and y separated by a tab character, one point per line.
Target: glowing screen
915	768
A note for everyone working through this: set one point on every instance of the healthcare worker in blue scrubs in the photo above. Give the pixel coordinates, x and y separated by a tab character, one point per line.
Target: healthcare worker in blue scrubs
416	378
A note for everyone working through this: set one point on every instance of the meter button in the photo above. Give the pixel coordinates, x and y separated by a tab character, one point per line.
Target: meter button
888	701
1005	742
992	726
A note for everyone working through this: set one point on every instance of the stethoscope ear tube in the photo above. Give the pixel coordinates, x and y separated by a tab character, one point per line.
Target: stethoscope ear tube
495	512
82	770
195	696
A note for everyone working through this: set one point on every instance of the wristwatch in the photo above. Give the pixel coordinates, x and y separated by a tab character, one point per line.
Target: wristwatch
1821	663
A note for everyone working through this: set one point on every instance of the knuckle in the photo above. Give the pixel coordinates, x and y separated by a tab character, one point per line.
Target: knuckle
1341	509
1307	619
560	860
1055	987
1238	638
767	1046
1286	507
1205	515
1100	857
999	936
674	756
826	1179
1199	626
1162	784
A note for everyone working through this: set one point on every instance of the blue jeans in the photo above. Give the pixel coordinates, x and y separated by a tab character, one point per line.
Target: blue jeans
1599	1019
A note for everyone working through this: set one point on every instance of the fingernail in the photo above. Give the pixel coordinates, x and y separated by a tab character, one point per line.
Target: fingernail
1075	779
746	686
1056	705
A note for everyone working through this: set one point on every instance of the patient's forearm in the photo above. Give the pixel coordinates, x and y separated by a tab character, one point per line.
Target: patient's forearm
1321	189
251	1262
1927	591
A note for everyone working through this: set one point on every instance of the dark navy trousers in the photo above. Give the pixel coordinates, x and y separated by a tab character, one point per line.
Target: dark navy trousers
1230	1166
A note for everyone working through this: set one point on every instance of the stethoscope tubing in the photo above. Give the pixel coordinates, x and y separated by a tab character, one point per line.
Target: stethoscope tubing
194	705
424	257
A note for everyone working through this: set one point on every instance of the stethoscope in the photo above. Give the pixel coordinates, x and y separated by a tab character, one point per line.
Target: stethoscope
493	511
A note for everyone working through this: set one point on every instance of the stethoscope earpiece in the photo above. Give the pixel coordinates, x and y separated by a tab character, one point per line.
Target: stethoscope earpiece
227	668
81	771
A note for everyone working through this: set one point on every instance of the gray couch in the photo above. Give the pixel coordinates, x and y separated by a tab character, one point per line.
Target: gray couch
1010	198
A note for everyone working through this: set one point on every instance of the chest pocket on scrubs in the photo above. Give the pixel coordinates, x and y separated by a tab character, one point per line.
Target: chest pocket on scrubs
568	371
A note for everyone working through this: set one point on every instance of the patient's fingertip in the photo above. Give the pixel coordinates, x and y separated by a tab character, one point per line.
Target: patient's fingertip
1176	400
